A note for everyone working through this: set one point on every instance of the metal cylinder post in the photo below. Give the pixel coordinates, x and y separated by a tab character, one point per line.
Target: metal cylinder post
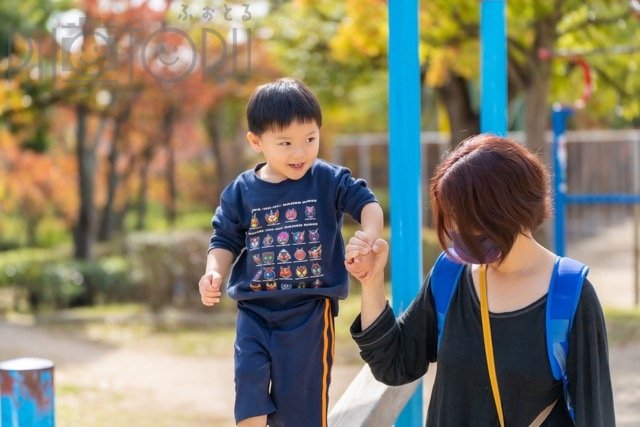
26	393
493	67
559	121
404	170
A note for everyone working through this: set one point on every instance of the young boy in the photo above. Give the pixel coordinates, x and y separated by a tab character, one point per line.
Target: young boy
281	220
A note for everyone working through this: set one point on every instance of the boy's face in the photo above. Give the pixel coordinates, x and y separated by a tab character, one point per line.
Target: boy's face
289	152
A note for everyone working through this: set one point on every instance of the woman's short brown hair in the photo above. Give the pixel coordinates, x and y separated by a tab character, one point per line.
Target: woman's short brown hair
490	186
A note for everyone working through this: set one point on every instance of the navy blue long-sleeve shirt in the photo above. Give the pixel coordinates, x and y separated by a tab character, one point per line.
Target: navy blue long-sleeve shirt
286	236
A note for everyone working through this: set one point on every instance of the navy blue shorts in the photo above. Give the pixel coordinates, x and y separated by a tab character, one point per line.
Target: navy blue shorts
283	359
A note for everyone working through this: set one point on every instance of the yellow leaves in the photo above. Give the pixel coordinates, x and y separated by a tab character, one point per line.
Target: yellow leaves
438	71
363	32
11	97
462	60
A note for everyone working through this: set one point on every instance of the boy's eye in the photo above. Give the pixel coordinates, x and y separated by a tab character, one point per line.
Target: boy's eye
312	139
284	143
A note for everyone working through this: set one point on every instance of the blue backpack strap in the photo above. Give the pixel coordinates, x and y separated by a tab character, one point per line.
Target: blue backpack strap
562	302
445	275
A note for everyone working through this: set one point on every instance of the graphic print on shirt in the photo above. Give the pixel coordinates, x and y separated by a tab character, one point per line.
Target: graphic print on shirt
284	256
314	236
284	244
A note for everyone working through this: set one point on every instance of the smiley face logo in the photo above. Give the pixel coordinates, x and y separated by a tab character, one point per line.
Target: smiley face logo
169	54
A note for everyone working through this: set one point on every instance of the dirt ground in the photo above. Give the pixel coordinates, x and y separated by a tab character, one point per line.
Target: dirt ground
135	385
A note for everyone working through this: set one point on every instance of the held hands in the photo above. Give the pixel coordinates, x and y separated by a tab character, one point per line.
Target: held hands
366	259
209	286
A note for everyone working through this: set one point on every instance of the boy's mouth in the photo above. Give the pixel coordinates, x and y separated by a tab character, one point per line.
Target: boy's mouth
296	165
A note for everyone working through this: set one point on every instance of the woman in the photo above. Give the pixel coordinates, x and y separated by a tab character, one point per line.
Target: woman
488	197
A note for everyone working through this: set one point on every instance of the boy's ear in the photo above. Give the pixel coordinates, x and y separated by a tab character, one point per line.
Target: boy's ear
254	141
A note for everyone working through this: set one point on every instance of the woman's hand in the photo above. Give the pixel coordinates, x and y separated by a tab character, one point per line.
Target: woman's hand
365	259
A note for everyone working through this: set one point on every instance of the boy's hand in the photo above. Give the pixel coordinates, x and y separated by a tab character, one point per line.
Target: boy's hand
359	244
209	286
364	258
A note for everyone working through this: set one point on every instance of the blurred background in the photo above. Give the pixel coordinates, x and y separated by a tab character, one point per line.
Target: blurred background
122	121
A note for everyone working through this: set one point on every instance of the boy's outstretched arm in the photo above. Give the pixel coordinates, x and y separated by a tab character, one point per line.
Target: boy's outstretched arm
372	220
374	299
218	262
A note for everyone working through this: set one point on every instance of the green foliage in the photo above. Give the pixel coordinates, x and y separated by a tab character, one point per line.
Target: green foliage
605	33
48	280
347	41
167	267
50	232
342	61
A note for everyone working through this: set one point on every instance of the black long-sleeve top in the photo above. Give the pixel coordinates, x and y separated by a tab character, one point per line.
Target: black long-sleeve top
400	350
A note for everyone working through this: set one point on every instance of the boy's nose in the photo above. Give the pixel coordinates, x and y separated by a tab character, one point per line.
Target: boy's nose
298	153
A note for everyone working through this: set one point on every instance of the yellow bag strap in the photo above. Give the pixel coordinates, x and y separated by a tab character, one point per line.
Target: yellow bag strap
488	344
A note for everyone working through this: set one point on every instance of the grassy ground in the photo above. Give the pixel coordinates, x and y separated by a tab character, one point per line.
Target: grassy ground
623	326
192	335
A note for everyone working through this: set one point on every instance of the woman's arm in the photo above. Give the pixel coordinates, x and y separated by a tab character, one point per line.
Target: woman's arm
397	350
588	364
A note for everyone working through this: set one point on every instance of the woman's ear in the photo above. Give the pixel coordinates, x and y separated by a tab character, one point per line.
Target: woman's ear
254	141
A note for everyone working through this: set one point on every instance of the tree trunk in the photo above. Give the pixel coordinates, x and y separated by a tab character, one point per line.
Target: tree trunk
113	179
463	120
172	188
32	226
141	207
84	231
537	110
213	124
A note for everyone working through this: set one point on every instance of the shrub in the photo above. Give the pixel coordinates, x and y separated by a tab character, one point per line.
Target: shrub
51	281
166	267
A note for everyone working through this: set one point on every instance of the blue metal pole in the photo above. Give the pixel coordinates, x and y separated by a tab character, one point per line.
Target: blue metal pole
493	67
404	170
26	398
559	118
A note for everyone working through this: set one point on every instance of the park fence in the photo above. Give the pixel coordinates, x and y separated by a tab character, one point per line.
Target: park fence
599	161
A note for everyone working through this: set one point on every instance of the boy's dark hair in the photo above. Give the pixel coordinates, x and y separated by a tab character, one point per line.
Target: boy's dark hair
491	186
277	104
